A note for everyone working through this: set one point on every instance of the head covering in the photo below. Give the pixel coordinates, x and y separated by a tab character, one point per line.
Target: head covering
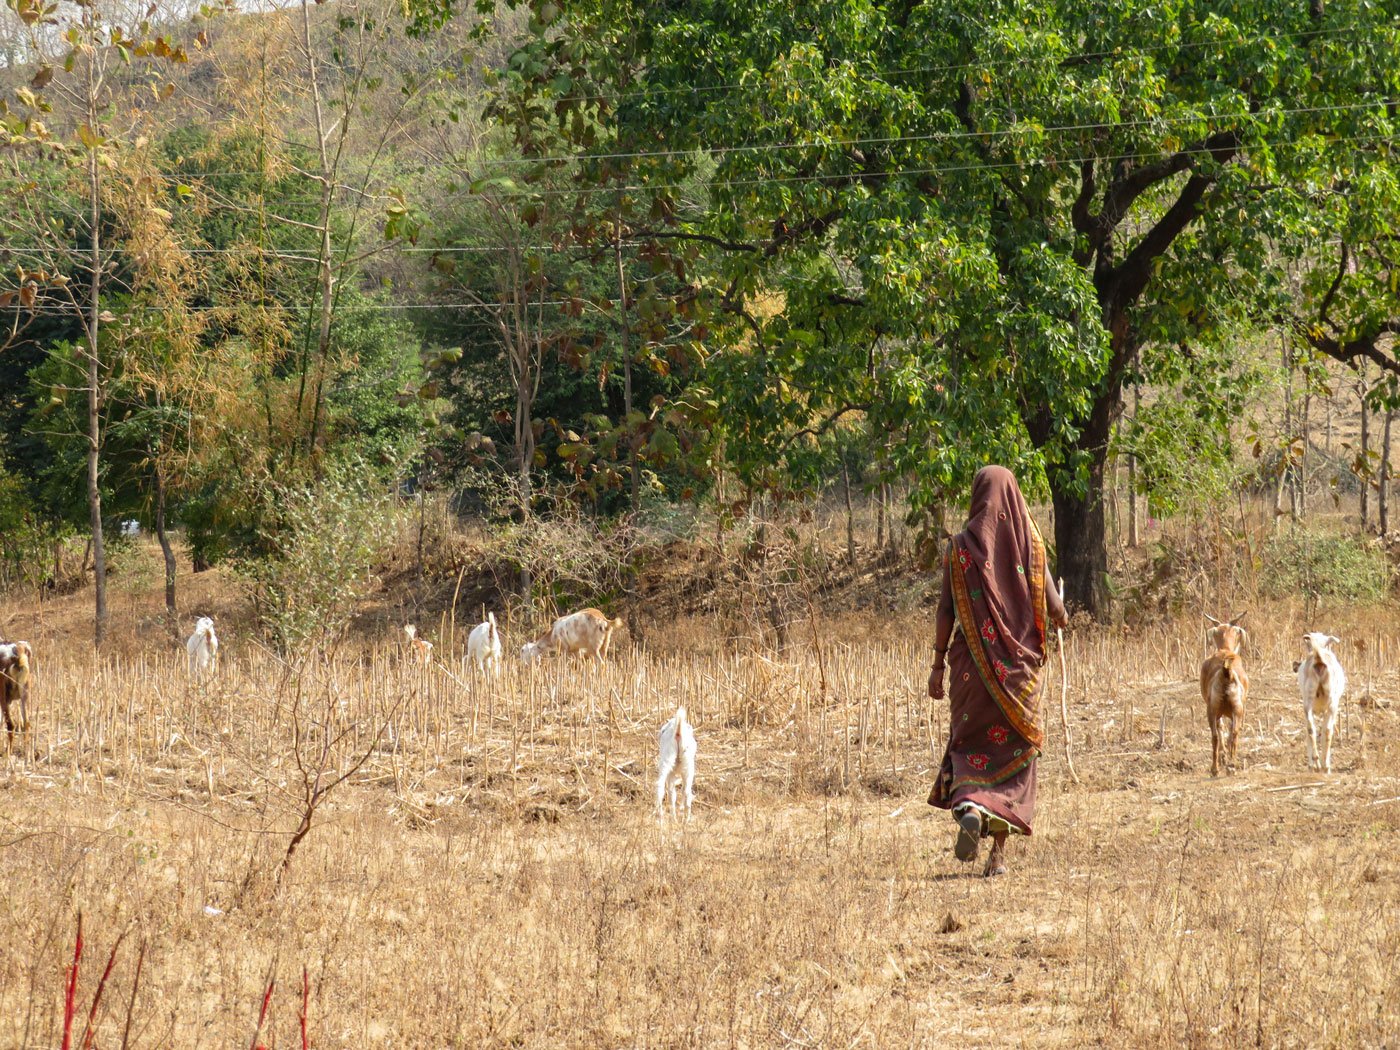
997	571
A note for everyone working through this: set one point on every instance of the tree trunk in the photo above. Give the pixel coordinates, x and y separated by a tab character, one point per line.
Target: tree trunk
880	518
850	511
1134	537
165	549
891	540
625	330
1364	459
1301	473
1383	499
1081	543
94	381
325	305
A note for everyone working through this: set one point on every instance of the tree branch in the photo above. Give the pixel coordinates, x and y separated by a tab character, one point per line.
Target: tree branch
1126	281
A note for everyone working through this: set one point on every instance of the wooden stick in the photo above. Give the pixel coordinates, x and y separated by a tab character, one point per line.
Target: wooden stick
1064	695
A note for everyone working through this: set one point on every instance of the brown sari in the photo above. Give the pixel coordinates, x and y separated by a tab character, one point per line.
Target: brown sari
994	577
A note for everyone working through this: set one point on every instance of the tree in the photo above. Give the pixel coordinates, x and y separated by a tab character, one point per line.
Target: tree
60	183
969	220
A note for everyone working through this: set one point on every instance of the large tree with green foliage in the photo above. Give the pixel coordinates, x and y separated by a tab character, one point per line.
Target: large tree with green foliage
976	223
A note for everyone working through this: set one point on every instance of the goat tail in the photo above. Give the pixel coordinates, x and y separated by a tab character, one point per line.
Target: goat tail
491	619
616	625
679	720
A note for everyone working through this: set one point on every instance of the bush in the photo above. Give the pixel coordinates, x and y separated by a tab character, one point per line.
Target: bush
328	540
1317	565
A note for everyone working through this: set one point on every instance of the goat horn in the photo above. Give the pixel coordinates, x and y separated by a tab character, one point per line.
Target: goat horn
1239	619
1212	619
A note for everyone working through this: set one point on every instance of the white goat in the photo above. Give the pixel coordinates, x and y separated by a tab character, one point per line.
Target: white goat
421	648
202	647
586	632
484	645
676	742
1321	682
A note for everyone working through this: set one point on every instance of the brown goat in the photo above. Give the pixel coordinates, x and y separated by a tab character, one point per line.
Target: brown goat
15	661
1224	687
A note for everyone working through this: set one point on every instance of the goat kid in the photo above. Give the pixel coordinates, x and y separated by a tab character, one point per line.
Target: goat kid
1321	683
1224	687
587	633
16	665
484	645
421	648
676	764
202	647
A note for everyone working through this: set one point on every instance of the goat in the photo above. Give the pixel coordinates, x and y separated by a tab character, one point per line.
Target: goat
1224	687
16	665
677	749
1321	682
586	632
484	645
202	647
421	648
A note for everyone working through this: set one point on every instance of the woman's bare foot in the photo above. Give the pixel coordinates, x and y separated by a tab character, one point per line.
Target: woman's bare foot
996	860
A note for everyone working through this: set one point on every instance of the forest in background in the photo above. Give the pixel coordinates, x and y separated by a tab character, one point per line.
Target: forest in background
278	279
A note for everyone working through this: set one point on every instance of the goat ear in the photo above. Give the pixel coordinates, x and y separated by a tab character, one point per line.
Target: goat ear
1244	636
1334	639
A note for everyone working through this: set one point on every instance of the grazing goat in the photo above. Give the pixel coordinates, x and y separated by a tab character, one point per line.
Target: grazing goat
202	647
16	661
676	765
1224	687
421	648
1321	681
585	633
484	645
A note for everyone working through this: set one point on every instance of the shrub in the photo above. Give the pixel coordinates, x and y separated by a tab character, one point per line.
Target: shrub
1317	565
327	541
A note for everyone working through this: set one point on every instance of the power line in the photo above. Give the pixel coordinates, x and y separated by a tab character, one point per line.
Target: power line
288	308
890	140
857	176
386	248
1080	57
936	169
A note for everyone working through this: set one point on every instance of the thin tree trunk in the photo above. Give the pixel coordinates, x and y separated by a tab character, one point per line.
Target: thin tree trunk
164	537
1364	459
625	331
324	277
880	517
1383	499
1134	537
94	372
1300	511
850	511
1286	449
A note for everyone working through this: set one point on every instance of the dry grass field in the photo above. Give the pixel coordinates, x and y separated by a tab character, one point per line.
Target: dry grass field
490	872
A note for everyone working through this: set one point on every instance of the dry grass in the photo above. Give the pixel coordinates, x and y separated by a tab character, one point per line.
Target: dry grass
493	875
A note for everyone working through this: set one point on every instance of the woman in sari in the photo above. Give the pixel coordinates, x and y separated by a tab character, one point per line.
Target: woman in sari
998	592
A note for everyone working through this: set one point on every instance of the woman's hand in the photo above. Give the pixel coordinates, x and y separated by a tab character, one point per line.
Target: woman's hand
1059	617
935	681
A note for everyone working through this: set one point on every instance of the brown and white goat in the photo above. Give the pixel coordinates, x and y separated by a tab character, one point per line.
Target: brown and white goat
16	666
419	648
1224	687
584	633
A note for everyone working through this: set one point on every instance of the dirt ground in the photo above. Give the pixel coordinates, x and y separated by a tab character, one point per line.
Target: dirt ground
493	874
